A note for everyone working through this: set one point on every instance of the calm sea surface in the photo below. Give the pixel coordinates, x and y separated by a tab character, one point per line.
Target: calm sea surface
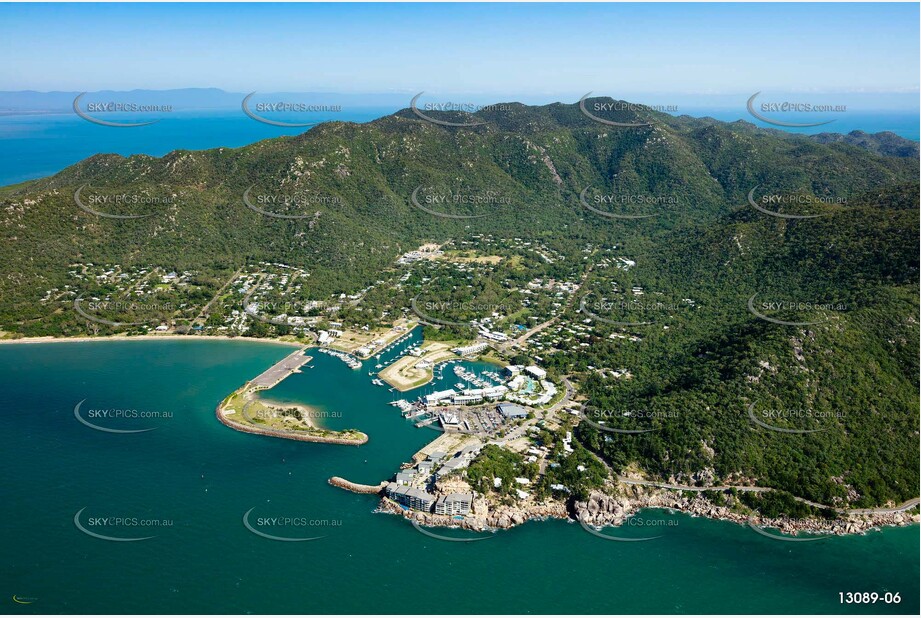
34	146
189	482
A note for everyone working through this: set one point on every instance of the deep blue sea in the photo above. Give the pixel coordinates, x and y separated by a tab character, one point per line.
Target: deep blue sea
38	145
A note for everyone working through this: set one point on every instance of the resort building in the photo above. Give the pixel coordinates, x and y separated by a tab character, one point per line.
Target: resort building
405	477
471	349
454	504
536	371
493	336
411	497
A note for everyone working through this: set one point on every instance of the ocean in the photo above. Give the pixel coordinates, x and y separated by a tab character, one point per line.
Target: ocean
39	145
189	482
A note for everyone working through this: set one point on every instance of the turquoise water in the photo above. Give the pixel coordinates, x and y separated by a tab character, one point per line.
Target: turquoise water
200	477
34	146
903	123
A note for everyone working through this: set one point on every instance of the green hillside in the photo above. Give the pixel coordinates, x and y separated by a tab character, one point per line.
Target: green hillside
846	370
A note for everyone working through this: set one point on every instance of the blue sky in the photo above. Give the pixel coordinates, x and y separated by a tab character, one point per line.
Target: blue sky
534	50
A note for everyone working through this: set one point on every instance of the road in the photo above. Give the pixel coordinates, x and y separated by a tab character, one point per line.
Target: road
522	340
908	504
203	314
567	396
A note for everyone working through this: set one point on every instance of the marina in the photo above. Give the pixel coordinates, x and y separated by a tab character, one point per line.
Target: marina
197	453
348	359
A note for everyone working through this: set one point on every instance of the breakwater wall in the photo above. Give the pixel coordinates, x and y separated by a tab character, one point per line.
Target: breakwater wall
357	488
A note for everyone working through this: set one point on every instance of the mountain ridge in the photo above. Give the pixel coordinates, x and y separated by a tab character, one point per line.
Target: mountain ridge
729	212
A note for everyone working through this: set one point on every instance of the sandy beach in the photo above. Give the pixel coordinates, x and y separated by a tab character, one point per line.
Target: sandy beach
27	340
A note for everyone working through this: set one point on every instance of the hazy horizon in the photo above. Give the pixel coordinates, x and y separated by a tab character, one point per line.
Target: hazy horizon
537	51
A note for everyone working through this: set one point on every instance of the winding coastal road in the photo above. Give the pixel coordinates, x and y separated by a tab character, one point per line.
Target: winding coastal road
905	506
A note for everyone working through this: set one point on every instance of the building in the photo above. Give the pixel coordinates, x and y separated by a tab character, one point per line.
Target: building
405	477
449	419
536	371
426	467
411	497
513	370
465	399
510	411
437	396
493	336
471	349
517	382
495	392
470	451
454	504
462	460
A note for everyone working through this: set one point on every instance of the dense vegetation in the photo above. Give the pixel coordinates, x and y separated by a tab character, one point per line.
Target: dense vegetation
695	367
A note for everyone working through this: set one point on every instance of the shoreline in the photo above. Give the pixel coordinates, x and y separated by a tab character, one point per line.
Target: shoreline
86	339
508	517
391	375
249	393
603	510
277	433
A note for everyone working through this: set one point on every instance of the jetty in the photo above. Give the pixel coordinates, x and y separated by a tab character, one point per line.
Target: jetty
233	413
358	488
281	370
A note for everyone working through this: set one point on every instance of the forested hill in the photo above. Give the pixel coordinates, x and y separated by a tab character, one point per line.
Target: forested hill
360	178
818	235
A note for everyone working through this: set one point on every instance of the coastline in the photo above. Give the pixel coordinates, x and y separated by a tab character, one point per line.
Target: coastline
603	510
170	336
600	510
436	354
274	433
265	381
